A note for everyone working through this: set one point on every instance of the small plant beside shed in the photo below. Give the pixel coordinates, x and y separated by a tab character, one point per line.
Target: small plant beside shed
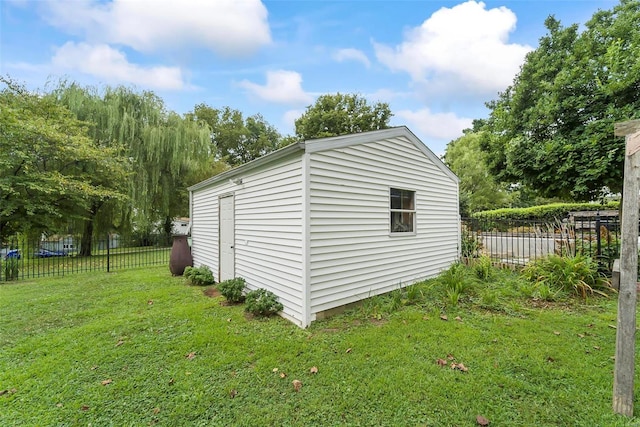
199	276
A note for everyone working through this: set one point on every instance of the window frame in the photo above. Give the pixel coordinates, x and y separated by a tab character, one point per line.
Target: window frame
412	212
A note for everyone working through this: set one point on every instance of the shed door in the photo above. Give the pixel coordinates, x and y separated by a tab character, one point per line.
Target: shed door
227	238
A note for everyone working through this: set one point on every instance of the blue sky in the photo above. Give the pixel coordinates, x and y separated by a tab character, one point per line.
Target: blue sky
435	62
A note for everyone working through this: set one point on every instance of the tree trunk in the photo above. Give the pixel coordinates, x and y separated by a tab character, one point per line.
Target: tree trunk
86	238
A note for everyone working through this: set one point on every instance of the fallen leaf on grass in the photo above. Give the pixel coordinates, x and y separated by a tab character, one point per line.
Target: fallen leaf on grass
150	302
348	350
283	375
482	420
297	385
459	366
233	393
556	333
94	367
425	318
84	408
156	410
314	370
597	347
275	369
119	343
550	359
458	318
441	362
450	356
106	382
444	317
191	355
59	405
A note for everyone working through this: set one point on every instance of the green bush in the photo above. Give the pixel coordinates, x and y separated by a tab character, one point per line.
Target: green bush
550	212
233	289
199	276
576	275
471	246
11	269
262	302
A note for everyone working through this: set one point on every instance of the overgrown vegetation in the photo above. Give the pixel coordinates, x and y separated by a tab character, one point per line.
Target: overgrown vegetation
233	289
199	276
577	275
155	352
10	268
261	302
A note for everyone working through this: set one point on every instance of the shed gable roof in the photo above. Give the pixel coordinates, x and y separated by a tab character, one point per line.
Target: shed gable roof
330	143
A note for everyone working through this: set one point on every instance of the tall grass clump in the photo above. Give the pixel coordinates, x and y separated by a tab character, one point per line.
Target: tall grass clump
455	282
577	275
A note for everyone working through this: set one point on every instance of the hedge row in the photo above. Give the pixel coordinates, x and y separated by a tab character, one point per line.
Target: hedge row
549	212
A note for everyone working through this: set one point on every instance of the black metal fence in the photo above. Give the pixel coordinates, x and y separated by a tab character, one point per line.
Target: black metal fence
23	258
516	242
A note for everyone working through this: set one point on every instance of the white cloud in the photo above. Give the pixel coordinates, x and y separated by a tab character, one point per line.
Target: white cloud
112	66
352	55
442	126
227	27
289	118
466	43
282	86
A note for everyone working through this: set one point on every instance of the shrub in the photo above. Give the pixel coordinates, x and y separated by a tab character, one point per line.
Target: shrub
199	276
548	212
11	269
262	302
578	275
233	289
471	246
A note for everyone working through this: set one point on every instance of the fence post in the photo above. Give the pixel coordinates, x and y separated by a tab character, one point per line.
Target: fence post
108	254
598	241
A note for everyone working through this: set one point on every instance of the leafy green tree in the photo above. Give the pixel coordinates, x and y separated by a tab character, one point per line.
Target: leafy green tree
238	140
50	170
162	149
478	188
552	130
341	114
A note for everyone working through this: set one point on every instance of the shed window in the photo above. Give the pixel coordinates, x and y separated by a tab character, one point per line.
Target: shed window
403	210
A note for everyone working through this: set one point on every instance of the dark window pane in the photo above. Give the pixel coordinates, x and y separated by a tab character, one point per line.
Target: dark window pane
402	222
396	202
407	200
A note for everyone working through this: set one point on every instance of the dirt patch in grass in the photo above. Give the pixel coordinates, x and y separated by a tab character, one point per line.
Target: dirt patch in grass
212	292
378	322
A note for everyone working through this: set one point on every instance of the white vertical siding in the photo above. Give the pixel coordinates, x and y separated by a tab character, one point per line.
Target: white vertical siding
268	230
352	255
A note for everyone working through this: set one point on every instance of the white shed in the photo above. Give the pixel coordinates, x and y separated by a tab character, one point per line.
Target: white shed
327	222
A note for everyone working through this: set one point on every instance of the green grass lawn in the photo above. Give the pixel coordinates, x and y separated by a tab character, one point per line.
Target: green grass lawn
142	348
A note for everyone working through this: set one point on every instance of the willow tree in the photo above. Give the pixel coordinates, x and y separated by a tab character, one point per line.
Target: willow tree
49	167
162	149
